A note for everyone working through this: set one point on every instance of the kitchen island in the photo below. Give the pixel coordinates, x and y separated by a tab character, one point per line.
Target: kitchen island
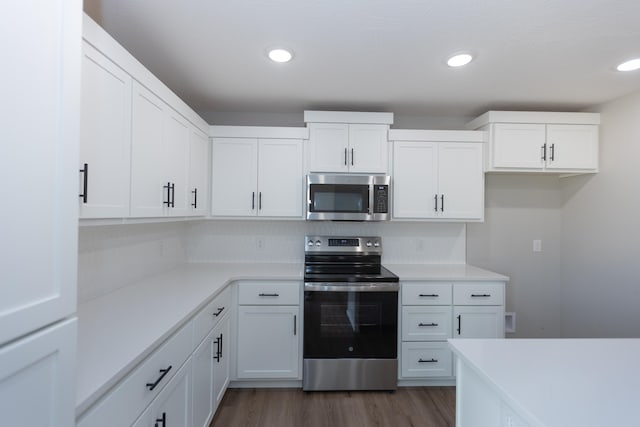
547	382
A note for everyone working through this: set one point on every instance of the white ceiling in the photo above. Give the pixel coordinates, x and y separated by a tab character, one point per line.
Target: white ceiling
382	55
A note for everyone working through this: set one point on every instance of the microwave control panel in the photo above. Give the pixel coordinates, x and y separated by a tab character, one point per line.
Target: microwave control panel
381	199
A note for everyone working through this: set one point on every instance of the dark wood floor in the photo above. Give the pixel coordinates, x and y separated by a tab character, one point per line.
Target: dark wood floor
408	406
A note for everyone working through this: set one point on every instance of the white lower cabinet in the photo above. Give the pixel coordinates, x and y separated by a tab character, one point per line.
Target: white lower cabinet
172	407
268	330
37	380
433	311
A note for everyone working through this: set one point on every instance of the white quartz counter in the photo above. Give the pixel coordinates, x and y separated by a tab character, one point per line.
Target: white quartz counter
457	272
118	330
558	382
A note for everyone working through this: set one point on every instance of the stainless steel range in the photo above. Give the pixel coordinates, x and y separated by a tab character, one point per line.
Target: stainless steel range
350	315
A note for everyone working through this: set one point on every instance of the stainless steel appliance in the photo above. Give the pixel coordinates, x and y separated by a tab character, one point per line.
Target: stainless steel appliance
350	315
339	197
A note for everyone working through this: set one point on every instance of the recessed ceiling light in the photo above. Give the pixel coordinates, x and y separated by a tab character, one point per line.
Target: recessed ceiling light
459	60
631	65
280	55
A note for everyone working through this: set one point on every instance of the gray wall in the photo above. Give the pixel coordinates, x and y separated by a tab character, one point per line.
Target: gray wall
601	234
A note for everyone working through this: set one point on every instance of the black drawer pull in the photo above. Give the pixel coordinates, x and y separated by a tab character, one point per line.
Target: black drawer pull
429	295
432	360
268	295
164	372
427	324
195	198
220	310
480	295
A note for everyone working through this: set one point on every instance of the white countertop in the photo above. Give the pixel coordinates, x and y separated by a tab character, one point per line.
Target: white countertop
118	330
457	272
560	382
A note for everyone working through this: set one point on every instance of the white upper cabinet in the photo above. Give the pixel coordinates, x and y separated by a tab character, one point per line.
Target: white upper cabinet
348	142
257	172
40	86
145	150
435	178
523	141
198	190
105	137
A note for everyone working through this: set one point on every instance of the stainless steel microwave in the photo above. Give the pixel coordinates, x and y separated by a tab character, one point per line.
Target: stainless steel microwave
336	197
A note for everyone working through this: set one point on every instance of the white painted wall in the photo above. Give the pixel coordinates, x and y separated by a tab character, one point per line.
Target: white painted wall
519	209
601	233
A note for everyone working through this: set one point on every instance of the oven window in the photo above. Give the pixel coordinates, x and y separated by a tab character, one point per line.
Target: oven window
339	198
350	324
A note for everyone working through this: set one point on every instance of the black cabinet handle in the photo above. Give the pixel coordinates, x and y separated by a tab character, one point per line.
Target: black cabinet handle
268	295
173	195
218	343
544	152
195	198
85	182
442	203
168	201
260	201
253	200
221	340
163	373
429	295
480	295
553	152
435	198
432	360
295	324
162	420
427	324
352	157
220	310
345	156
459	323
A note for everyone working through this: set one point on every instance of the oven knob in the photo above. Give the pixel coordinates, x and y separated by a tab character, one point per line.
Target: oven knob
376	244
369	244
318	243
310	243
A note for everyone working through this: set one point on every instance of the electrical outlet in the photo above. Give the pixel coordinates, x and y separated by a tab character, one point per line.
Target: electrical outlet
260	243
537	246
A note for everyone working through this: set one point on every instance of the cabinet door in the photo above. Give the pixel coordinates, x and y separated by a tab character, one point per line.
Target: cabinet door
460	180
221	362
368	148
478	322
234	177
518	146
426	359
572	147
148	156
202	394
268	342
37	378
105	137
198	190
328	147
415	179
175	134
40	43
280	178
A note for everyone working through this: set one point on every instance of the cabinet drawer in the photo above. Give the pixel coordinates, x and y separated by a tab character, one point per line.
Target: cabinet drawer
126	401
209	316
426	293
269	293
426	359
478	293
426	323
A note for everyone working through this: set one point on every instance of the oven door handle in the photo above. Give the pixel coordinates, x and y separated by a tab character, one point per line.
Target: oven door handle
352	287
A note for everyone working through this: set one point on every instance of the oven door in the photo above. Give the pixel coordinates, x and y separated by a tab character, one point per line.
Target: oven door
350	320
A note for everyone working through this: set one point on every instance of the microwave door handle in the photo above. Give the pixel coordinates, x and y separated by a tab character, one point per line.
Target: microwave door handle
370	193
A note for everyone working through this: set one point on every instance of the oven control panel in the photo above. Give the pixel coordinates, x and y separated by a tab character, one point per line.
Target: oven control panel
342	244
